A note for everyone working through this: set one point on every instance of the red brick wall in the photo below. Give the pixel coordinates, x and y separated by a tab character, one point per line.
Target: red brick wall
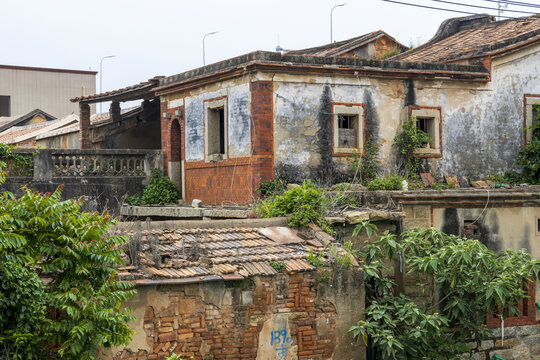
200	329
232	181
527	312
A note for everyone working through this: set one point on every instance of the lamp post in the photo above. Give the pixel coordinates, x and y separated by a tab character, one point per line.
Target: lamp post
203	53
101	78
331	11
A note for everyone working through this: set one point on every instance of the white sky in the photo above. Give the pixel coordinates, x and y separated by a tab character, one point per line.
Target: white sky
164	37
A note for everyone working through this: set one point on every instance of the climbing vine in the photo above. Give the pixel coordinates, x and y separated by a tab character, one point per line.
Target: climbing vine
410	139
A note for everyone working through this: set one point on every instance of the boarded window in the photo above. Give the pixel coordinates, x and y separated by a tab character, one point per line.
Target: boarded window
5	105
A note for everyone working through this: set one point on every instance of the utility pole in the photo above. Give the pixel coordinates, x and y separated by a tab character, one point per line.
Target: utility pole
101	78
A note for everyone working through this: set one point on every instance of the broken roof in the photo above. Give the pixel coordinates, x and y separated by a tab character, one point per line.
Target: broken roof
196	255
141	90
7	122
345	66
482	36
341	48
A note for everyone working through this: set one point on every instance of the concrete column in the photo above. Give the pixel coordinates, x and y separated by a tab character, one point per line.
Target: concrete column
114	111
84	125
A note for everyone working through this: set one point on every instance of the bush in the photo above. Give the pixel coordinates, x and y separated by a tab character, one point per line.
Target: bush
160	190
271	187
410	139
392	182
529	157
303	204
366	166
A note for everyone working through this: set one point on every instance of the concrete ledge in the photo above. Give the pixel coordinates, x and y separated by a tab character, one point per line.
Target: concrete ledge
201	224
184	212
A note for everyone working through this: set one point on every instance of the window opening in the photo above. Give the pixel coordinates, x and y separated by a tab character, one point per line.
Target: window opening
5	105
427	125
216	131
348	131
470	230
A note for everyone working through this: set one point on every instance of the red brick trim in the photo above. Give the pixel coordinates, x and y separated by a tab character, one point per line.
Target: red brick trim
332	119
226	123
411	108
525	96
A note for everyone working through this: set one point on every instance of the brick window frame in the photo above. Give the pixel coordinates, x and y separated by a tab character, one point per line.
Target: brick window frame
208	105
528	101
349	109
527	311
434	115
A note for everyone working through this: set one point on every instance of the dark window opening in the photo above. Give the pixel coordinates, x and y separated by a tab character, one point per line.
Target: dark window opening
427	125
348	131
221	130
216	131
538	225
5	105
470	229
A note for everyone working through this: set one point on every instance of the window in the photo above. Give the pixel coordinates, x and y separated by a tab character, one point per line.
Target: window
348	128
531	115
526	312
428	119
5	105
215	135
470	230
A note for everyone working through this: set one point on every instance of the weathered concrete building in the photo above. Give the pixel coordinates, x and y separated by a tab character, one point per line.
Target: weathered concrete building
229	125
24	89
238	292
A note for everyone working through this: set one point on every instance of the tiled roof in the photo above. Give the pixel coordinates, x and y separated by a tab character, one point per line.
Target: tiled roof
340	48
7	122
19	134
479	40
188	254
12	133
140	86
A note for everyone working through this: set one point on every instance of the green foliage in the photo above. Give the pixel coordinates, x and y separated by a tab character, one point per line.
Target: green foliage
279	266
178	357
470	278
160	190
395	51
410	139
53	239
315	259
22	161
389	182
366	166
302	204
529	157
271	187
342	257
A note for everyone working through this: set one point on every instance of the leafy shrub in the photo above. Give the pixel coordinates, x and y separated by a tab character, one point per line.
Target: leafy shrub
529	157
54	239
410	139
391	182
160	190
279	266
366	166
315	259
271	187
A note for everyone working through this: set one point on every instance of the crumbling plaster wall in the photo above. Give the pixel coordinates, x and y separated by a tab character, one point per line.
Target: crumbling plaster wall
239	319
238	117
483	123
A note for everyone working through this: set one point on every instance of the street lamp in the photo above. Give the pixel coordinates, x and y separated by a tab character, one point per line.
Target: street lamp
331	38
204	37
101	78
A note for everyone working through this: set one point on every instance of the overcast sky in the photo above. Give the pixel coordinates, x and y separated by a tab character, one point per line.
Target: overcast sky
164	37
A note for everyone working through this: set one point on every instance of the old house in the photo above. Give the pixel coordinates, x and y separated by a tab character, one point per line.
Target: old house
231	292
230	125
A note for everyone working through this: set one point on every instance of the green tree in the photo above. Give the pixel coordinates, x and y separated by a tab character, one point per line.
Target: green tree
468	279
44	238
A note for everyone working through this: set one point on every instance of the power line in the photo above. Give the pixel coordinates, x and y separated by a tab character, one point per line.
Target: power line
515	3
483	7
455	11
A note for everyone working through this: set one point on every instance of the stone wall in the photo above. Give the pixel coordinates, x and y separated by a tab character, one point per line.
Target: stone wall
288	316
104	177
520	343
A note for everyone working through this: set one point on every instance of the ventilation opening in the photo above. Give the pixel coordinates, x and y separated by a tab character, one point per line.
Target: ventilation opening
5	106
470	229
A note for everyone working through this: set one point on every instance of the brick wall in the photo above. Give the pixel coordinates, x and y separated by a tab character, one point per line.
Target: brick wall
237	320
232	181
